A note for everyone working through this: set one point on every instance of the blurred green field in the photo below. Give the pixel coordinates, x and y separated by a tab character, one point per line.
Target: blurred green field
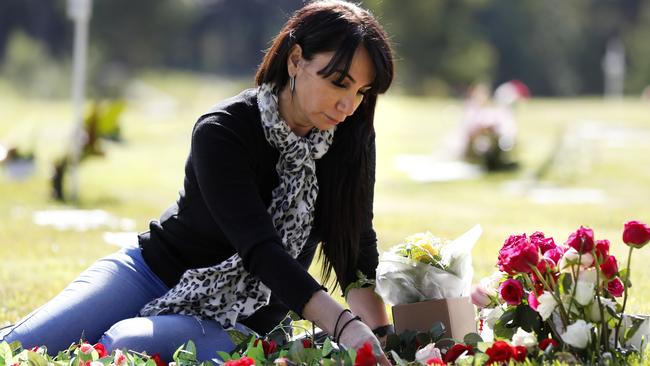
140	177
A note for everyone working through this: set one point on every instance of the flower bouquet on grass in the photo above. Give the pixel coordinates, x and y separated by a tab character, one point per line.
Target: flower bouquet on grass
562	302
427	280
425	267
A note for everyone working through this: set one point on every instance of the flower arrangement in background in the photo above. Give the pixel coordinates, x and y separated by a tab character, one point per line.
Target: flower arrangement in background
563	299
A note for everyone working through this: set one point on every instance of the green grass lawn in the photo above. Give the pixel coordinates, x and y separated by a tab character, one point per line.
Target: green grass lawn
140	177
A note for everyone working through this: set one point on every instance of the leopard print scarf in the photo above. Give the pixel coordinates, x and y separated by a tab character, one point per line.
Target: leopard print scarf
226	292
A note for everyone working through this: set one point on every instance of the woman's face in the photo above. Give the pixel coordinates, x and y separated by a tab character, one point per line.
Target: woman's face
322	102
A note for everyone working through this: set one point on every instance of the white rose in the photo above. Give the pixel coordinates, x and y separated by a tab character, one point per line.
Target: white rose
546	305
426	353
491	283
571	257
523	338
585	286
578	334
594	309
493	316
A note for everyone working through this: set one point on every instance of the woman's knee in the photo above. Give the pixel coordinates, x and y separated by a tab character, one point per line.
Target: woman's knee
135	334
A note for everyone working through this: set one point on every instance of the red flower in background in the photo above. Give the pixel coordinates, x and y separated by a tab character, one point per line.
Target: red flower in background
307	343
609	267
602	249
268	346
158	360
582	240
519	353
365	356
636	234
544	343
456	350
616	287
436	361
512	291
543	243
101	350
244	361
517	255
499	352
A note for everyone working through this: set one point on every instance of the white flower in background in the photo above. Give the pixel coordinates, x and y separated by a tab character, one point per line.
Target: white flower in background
570	258
546	305
493	316
426	353
578	334
585	286
523	338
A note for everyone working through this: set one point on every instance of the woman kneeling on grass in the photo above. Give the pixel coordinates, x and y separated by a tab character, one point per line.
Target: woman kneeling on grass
272	172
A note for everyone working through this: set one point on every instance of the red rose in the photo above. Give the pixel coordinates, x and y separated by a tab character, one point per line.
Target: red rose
544	343
609	267
455	351
544	244
636	234
602	249
511	291
615	287
365	356
519	353
436	361
582	240
517	255
499	352
158	360
307	343
244	361
268	346
101	350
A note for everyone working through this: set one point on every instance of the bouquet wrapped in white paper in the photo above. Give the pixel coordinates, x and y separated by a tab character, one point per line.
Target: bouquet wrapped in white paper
425	267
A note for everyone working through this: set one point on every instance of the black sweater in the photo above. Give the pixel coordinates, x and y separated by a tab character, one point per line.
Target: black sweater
229	176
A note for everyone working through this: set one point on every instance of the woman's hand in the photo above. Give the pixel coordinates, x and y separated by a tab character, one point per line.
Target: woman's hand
353	333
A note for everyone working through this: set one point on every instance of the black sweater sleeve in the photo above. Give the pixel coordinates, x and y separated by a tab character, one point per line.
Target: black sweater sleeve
222	160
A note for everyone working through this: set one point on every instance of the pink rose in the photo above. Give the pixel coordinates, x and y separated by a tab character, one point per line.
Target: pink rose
555	254
480	297
602	249
544	244
609	267
636	234
511	291
86	348
615	287
517	255
532	301
582	240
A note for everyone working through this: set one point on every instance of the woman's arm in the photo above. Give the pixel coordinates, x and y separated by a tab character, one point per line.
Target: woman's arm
368	305
330	316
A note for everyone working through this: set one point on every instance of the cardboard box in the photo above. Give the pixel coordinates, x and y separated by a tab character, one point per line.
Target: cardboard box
457	314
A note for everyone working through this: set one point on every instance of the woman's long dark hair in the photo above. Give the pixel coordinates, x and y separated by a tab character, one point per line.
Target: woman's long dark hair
343	173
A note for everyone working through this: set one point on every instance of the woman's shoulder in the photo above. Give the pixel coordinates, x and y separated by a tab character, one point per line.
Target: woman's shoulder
237	112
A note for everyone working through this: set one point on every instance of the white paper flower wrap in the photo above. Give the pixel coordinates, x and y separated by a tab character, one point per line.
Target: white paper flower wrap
401	280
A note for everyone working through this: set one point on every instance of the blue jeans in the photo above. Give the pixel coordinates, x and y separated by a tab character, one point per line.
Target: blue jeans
101	305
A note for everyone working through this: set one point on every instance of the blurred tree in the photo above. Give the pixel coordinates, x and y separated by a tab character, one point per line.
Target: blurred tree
440	48
554	46
639	52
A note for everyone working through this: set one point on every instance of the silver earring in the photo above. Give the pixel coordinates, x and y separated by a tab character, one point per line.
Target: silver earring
292	83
